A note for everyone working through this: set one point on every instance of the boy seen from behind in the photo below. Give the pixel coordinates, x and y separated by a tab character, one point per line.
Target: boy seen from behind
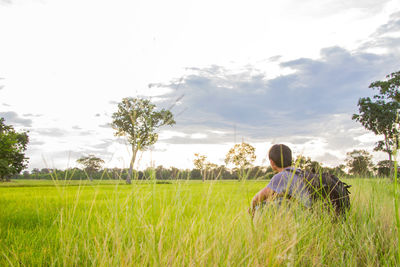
285	183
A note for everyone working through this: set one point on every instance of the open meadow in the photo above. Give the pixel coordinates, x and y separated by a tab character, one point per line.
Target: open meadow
188	223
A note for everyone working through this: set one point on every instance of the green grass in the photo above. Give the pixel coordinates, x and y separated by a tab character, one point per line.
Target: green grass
188	224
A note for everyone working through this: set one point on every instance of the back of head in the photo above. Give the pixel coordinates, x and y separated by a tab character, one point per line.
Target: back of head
281	155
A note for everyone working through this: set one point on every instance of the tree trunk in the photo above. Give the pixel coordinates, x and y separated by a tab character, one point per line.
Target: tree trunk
391	166
129	179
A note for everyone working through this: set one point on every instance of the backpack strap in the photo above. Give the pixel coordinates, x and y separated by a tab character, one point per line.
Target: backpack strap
305	176
296	171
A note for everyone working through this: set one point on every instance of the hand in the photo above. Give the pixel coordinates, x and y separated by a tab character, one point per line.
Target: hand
251	211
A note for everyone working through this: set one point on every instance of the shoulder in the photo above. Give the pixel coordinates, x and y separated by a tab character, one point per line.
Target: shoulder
285	174
279	181
277	176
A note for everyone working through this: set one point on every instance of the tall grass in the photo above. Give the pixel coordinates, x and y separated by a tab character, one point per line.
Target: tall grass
396	206
190	223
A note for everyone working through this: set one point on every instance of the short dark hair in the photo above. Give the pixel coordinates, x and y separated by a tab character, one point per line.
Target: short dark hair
281	155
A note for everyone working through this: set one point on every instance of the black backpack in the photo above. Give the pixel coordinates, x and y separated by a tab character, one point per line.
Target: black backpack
327	188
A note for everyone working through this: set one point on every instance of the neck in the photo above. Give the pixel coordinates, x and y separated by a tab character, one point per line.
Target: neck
278	170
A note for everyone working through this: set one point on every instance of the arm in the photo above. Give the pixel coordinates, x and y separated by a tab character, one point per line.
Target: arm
275	186
263	194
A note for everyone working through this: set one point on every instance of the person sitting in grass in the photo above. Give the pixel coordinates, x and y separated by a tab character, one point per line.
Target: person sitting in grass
285	184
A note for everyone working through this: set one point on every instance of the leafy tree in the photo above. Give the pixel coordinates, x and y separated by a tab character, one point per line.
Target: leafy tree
26	174
200	163
46	171
162	173
388	89
195	174
211	170
150	173
384	168
256	172
12	151
380	117
359	162
175	173
208	169
307	164
91	163
222	173
138	119
36	173
302	161
339	170
242	156
380	114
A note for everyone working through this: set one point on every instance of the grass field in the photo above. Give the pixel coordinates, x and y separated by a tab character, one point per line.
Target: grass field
188	223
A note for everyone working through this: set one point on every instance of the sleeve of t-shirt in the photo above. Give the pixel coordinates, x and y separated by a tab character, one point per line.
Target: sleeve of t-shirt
278	183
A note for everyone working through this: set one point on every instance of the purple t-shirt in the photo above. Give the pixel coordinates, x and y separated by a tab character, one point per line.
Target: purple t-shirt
290	183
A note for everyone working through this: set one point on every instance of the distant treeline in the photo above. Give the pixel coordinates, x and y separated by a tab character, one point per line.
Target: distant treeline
160	173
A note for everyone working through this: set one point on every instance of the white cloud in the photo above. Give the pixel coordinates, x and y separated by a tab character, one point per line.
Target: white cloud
12	118
218	132
198	136
239	63
167	134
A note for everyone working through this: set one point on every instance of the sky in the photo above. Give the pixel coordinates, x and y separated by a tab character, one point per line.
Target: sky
262	72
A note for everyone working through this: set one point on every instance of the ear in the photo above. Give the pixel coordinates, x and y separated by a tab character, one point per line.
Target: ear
273	165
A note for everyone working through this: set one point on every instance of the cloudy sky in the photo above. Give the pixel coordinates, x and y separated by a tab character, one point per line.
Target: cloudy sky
260	71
